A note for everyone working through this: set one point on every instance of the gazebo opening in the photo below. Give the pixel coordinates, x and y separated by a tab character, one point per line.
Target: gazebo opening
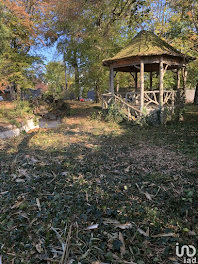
147	53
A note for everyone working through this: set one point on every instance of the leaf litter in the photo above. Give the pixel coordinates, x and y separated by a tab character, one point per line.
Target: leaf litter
119	203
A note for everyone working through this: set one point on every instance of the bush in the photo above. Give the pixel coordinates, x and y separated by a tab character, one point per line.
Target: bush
23	108
48	105
114	114
97	116
20	111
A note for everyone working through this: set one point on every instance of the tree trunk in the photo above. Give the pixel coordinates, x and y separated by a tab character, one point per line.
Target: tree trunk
18	92
97	93
65	66
13	92
77	78
196	95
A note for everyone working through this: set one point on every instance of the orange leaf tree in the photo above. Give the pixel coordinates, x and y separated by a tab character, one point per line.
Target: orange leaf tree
19	30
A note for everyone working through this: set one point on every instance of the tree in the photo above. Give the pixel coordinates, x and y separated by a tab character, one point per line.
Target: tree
18	33
55	77
176	22
187	18
89	31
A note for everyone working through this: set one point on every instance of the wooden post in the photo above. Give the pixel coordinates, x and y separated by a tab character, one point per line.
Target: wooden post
117	84
111	80
136	82
184	83
178	79
196	95
151	81
141	85
172	102
129	113
161	88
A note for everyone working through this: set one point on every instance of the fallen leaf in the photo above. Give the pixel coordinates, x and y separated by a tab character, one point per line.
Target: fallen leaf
124	226
148	196
22	172
122	248
92	227
33	160
85	255
19	180
64	173
2	193
192	233
38	204
17	204
110	221
39	248
127	169
139	189
24	215
146	234
59	238
116	171
166	235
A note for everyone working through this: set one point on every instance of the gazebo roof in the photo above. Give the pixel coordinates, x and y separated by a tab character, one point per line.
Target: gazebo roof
146	44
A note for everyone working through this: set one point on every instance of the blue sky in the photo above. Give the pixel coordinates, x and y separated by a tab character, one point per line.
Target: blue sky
47	53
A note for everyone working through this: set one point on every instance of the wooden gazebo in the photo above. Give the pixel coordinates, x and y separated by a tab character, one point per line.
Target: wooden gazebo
147	53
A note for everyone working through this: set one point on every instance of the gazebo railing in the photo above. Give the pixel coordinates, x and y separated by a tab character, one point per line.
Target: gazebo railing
106	100
131	112
130	105
151	98
133	97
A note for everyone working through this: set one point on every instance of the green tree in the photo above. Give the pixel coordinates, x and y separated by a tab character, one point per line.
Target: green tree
55	77
176	22
91	31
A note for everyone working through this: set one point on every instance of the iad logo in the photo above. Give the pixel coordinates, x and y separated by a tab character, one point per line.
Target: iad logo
189	251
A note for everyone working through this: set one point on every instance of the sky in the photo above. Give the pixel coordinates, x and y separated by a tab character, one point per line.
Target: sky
47	53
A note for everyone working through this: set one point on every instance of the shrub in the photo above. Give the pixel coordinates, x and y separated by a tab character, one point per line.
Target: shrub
114	114
49	105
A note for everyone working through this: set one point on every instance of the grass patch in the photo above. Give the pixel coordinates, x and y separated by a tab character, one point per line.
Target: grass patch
15	113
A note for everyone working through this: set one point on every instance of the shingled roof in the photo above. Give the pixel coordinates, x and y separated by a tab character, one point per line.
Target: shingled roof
146	43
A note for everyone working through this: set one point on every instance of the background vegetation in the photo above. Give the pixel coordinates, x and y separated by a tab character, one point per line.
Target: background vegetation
85	33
